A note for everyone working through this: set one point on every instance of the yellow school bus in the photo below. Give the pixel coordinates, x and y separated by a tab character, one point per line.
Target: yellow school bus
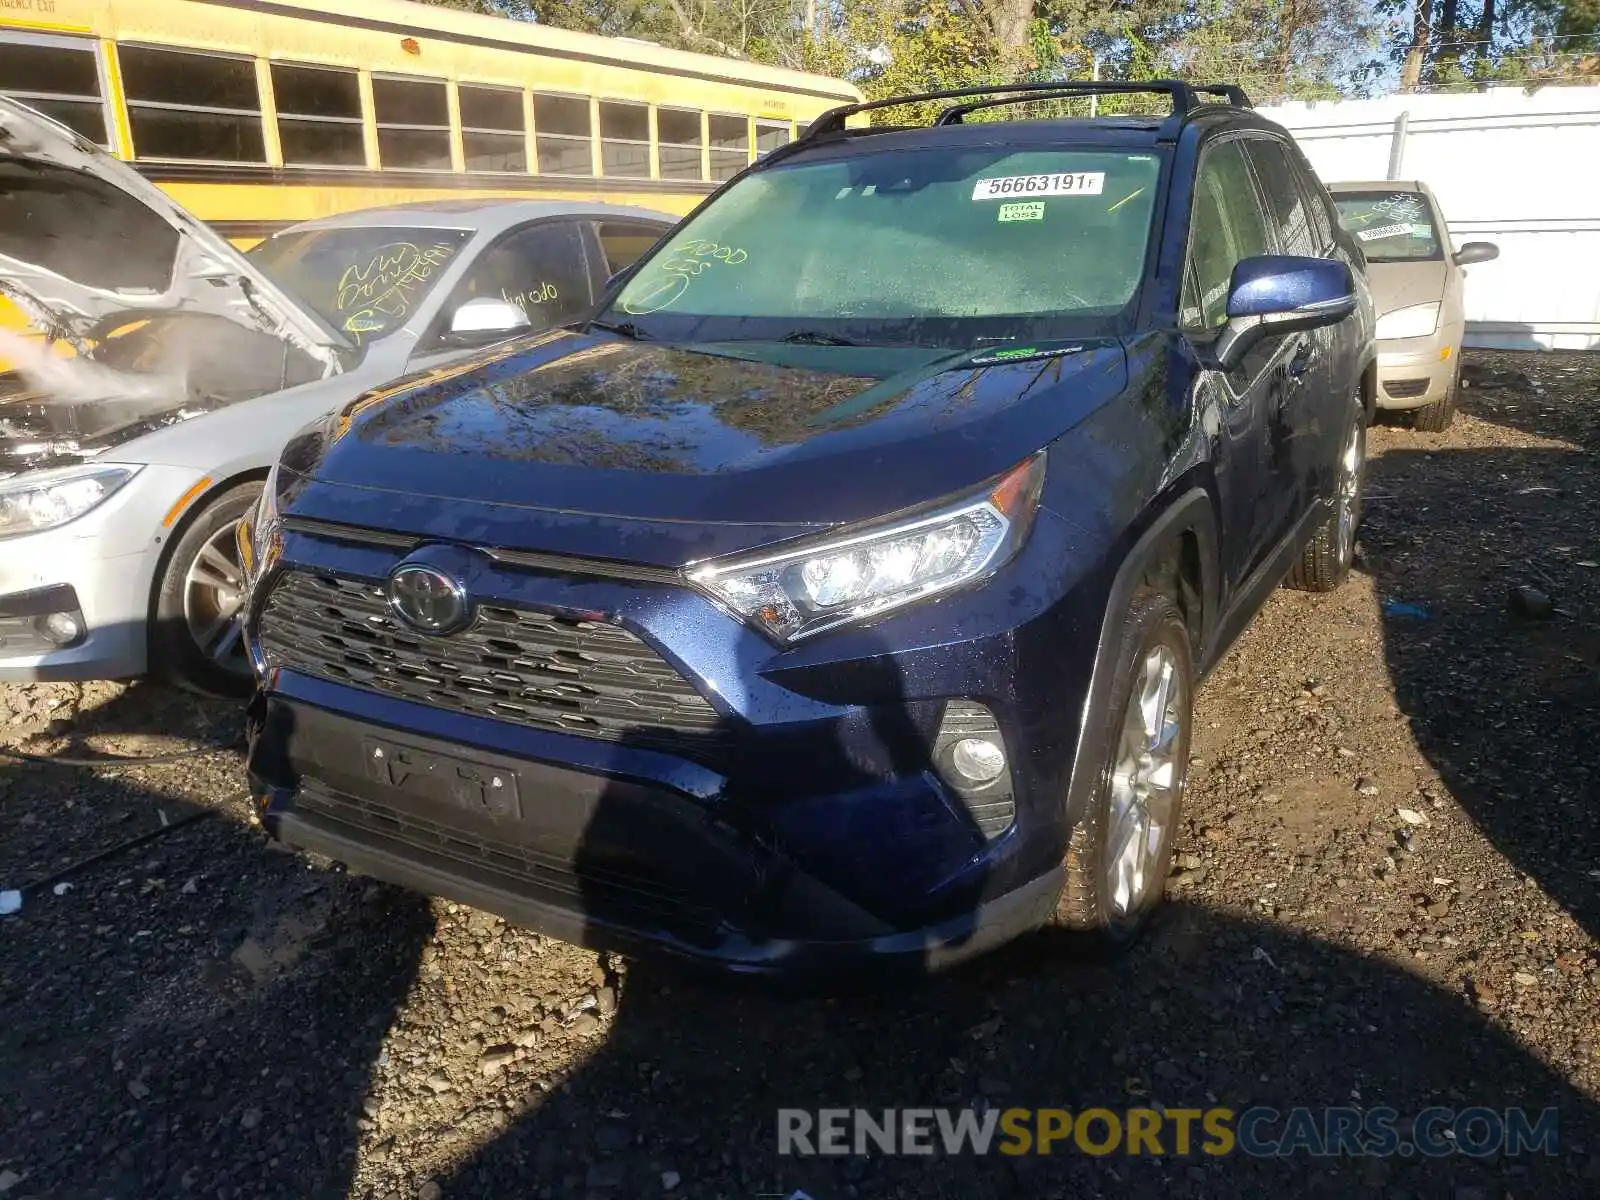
254	114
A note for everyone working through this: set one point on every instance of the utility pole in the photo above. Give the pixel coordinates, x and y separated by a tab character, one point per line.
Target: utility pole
811	20
1094	75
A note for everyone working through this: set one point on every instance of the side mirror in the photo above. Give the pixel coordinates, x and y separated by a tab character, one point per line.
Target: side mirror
1476	252
487	316
1281	293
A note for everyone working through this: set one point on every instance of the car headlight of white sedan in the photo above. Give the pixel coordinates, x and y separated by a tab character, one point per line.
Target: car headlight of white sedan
39	500
1416	320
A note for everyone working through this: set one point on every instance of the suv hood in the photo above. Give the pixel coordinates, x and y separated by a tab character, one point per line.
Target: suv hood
88	239
607	433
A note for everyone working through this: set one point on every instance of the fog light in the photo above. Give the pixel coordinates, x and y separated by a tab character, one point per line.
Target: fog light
970	756
62	628
978	760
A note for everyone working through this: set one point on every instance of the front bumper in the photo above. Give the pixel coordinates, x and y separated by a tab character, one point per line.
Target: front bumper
61	571
107	559
825	839
1413	372
605	863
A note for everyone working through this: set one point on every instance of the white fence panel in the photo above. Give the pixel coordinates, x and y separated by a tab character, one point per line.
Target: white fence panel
1519	170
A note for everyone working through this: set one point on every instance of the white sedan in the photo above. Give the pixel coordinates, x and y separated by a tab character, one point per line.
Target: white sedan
127	461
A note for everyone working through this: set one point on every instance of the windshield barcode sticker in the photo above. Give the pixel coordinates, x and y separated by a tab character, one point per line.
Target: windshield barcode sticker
1384	231
1079	183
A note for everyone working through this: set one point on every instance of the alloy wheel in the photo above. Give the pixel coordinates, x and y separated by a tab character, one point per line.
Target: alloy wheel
213	601
1351	463
1146	780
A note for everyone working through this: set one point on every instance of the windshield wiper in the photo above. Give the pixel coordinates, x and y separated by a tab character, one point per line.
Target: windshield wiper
815	337
626	329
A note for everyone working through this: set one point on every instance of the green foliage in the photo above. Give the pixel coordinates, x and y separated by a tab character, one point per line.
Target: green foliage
1276	49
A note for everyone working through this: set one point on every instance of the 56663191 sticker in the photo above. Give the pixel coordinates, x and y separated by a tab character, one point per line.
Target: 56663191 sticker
1384	231
1012	187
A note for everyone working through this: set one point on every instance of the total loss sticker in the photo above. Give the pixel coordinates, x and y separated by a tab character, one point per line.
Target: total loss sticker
1074	183
1028	210
1385	231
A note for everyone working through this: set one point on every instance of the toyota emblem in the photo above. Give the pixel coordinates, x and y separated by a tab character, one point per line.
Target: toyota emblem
427	599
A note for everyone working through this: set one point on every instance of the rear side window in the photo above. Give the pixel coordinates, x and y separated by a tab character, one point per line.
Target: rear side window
1227	225
1286	205
539	268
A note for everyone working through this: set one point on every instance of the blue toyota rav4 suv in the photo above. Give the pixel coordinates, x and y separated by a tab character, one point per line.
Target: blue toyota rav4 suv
838	590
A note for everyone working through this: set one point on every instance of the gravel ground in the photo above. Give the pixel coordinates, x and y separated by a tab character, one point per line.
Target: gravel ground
1388	894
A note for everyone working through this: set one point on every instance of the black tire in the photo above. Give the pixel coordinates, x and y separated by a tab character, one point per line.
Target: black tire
1324	561
175	654
1438	416
1088	908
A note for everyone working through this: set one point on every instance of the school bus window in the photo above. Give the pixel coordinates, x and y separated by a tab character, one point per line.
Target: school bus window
678	132
413	117
623	244
200	106
561	124
491	128
624	139
770	135
319	115
57	76
730	146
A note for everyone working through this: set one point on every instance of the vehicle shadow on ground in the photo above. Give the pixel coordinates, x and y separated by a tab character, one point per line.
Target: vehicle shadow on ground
1502	691
168	1032
1212	1010
1188	1020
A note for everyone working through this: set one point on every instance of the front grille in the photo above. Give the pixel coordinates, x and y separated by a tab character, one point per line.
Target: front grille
1405	389
528	668
607	891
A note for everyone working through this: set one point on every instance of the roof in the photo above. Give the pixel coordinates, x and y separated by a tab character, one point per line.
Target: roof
1110	132
484	213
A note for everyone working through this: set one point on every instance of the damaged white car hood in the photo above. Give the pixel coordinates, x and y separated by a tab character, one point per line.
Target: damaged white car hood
197	271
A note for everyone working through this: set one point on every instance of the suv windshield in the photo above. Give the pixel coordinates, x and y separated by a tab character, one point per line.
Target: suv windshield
1391	226
940	247
363	282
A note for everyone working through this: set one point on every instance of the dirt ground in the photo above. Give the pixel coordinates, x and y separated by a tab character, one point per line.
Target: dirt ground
1388	893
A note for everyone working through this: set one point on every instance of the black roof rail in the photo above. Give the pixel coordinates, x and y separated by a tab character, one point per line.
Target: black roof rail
1183	99
1232	92
956	113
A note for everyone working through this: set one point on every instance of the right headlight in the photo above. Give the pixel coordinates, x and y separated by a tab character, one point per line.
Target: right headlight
1418	320
864	572
40	500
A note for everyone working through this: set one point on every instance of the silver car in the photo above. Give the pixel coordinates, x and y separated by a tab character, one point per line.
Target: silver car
1418	285
178	368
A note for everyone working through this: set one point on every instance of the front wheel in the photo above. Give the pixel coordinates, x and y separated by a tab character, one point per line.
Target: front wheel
1441	414
195	633
1324	563
1120	851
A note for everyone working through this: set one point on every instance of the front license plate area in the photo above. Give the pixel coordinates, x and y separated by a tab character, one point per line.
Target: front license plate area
478	788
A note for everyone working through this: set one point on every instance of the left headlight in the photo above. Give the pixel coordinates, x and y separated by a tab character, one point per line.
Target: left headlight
864	572
1419	320
256	528
42	500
